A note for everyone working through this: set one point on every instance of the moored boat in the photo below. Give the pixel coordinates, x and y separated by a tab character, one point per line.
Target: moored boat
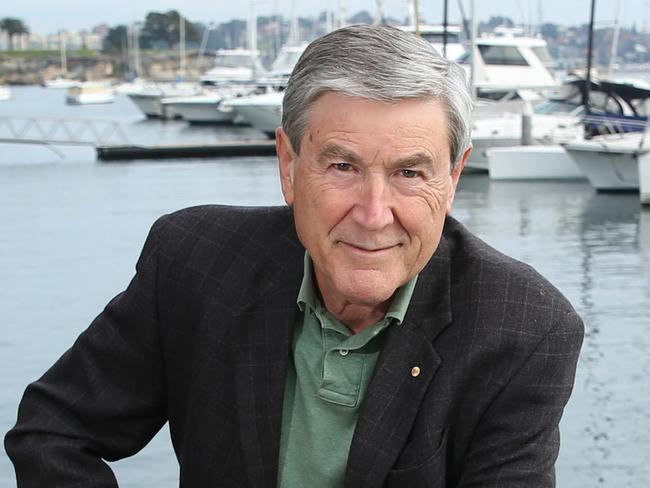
614	108
537	162
264	112
90	93
610	163
5	93
644	178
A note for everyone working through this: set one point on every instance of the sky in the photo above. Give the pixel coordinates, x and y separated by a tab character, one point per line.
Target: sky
47	16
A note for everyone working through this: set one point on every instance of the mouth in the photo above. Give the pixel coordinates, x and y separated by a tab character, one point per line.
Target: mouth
369	250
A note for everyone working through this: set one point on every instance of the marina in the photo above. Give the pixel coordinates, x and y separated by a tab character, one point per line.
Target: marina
87	167
68	218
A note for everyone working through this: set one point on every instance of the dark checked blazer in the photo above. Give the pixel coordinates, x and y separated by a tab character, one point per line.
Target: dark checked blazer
201	338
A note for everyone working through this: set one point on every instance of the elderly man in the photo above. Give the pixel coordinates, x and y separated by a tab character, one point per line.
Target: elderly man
359	337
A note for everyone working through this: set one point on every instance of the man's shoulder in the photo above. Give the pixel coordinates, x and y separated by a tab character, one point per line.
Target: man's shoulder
209	232
481	272
213	250
229	219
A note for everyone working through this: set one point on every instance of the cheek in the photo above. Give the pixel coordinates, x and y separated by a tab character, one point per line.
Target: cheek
423	217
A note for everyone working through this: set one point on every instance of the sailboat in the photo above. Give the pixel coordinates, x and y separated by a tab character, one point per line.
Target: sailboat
61	81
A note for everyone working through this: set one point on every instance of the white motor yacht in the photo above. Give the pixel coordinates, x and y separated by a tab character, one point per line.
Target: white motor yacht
610	163
264	112
435	34
200	108
234	66
5	93
235	73
149	99
614	107
534	162
506	61
285	61
205	107
90	93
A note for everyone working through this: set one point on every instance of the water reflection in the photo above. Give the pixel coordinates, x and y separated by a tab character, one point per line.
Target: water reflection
595	248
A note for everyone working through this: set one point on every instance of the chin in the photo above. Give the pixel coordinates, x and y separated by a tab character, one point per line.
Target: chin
367	292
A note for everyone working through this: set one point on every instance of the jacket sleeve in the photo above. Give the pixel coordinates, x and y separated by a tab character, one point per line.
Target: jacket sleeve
516	443
102	400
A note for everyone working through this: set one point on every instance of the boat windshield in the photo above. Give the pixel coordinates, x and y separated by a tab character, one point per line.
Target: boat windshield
286	60
555	107
501	55
544	56
438	38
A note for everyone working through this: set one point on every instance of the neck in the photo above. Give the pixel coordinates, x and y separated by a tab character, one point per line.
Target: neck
354	316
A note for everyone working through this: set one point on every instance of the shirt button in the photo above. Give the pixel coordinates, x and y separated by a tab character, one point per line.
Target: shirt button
343	352
415	371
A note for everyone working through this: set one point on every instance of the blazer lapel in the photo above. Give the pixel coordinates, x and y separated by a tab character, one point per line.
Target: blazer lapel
407	364
264	330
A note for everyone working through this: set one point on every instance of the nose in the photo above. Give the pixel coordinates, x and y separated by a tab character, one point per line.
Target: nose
373	208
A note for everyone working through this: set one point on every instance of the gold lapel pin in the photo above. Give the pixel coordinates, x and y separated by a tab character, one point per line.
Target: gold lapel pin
415	371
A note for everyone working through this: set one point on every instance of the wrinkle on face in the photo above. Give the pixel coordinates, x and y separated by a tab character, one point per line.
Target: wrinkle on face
370	190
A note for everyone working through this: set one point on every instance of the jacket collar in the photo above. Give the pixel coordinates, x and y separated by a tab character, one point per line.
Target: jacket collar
396	391
264	323
394	395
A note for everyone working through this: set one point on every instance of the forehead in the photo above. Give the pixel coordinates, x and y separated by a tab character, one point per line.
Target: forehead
370	125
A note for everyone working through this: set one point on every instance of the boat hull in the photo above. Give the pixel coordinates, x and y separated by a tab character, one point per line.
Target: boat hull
89	99
148	104
263	117
644	178
199	113
538	162
607	169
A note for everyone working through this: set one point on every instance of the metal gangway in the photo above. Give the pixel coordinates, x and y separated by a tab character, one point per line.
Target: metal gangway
53	131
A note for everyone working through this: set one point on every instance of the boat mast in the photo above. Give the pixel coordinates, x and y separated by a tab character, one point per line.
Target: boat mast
615	36
341	13
181	29
137	61
444	28
64	58
416	16
587	87
293	30
252	35
472	47
379	13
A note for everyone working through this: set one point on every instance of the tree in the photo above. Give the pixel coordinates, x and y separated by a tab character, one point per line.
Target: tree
550	31
116	40
13	27
162	30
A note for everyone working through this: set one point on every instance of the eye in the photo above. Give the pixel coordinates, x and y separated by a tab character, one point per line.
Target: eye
342	166
409	173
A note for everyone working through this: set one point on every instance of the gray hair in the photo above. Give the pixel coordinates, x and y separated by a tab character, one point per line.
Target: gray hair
380	63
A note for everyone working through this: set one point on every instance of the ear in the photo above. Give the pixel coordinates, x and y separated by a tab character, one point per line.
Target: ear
455	176
286	159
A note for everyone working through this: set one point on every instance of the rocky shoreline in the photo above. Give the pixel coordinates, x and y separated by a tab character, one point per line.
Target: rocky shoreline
34	68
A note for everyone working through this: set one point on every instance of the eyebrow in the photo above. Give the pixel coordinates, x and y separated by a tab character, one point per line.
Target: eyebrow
415	160
334	151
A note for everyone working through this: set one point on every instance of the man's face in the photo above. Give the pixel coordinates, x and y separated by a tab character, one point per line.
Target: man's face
370	190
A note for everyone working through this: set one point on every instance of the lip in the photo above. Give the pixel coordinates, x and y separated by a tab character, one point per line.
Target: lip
369	252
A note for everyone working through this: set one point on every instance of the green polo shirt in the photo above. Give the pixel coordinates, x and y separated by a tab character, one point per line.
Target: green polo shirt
325	387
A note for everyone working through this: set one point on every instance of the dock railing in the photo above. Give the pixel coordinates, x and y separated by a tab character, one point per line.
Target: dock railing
49	131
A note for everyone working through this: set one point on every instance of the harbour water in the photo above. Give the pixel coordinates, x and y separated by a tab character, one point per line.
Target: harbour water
71	230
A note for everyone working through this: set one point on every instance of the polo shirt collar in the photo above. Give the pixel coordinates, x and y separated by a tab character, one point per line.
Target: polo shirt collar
307	296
